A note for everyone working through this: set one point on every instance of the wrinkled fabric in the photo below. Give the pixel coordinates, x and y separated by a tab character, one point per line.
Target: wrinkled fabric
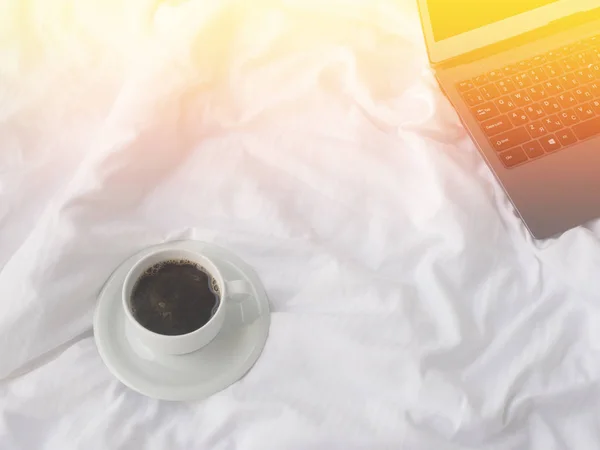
410	307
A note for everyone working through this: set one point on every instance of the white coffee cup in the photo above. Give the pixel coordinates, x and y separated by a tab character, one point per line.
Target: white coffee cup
229	291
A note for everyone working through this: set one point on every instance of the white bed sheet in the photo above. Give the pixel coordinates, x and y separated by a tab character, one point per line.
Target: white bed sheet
411	309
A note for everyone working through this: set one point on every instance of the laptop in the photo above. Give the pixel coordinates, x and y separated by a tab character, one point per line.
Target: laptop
524	77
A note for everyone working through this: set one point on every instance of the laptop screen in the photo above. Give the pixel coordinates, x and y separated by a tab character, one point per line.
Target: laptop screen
453	17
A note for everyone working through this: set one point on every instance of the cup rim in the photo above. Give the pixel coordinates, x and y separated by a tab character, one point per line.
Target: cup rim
128	281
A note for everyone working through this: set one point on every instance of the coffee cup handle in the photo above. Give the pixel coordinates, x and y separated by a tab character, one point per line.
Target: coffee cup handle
241	309
238	290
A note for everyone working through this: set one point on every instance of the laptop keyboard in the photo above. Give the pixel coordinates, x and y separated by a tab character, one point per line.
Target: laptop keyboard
539	105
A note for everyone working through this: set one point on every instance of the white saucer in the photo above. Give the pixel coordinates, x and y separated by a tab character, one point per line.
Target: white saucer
196	375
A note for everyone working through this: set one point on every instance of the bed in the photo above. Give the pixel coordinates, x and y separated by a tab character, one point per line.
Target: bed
410	307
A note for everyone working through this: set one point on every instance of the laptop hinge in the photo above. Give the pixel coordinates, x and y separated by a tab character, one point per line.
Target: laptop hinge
509	44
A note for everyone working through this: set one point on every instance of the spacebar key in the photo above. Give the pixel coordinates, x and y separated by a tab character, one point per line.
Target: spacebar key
587	129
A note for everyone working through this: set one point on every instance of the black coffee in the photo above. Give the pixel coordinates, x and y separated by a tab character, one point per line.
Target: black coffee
174	297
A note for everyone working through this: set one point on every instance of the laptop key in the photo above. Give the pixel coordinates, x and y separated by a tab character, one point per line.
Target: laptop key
595	68
567	100
513	157
465	86
489	92
595	104
552	123
553	87
553	70
495	75
485	111
473	97
553	55
584	111
535	111
510	139
533	149
585	75
496	125
539	60
537	92
582	94
585	58
518	117
569	81
506	86
505	104
522	80
539	111
570	63
587	129
551	106
594	89
568	117
536	129
577	47
524	65
595	53
510	70
521	98
480	80
538	75
566	137
550	143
